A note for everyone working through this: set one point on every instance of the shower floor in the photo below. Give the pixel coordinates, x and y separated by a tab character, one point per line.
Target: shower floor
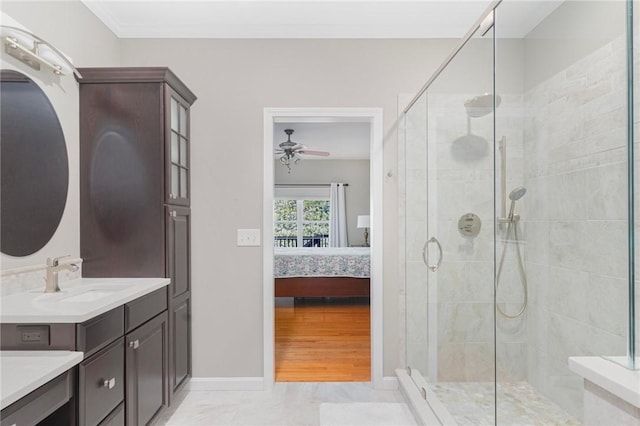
471	403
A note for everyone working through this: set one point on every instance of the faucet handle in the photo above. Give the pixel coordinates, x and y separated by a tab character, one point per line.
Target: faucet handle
56	260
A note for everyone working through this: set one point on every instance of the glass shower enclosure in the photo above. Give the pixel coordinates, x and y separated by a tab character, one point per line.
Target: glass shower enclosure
519	213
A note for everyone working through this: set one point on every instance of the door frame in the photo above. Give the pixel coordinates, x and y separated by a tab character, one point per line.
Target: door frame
373	116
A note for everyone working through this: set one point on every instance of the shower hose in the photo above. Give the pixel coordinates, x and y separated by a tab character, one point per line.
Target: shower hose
510	226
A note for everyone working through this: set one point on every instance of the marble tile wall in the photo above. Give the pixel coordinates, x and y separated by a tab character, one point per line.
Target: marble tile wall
575	220
17	283
456	340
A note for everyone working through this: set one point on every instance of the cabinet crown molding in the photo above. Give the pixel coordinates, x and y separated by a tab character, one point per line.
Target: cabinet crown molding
137	75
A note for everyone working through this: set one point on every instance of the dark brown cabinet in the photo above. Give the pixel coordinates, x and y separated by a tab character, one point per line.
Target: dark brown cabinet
101	384
178	253
180	336
124	377
177	185
135	189
147	371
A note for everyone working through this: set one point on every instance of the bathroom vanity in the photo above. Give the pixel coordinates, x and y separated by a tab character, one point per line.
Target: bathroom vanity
115	330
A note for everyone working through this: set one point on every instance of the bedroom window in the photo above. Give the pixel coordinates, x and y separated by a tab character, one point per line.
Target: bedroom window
301	223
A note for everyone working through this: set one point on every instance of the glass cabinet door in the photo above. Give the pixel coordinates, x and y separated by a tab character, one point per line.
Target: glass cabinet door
178	150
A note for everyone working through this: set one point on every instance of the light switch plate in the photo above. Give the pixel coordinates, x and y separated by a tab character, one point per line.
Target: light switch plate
248	237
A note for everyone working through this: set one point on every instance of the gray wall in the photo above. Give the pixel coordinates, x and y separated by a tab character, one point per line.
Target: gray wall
353	172
235	80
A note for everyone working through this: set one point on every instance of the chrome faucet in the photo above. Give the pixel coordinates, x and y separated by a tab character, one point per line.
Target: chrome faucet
53	267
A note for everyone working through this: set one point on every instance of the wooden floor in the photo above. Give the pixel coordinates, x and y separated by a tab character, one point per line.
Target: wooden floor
319	341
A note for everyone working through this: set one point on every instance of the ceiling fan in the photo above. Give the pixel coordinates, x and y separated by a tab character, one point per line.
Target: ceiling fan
290	151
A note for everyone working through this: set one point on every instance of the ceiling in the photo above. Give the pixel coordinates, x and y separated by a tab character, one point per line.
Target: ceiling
287	19
312	18
345	140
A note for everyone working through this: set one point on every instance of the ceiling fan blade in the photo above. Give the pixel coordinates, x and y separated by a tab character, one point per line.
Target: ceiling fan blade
299	146
321	153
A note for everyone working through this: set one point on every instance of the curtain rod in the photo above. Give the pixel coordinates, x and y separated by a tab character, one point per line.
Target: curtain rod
306	185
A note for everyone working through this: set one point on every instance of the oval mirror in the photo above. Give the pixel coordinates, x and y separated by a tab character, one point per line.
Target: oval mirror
34	167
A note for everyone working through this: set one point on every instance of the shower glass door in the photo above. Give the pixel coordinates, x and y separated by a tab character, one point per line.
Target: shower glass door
561	130
449	217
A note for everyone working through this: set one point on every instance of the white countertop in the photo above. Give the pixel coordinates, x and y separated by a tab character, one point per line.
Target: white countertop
609	375
22	372
78	301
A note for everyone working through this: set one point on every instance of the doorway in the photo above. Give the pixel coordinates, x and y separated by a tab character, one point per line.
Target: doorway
373	118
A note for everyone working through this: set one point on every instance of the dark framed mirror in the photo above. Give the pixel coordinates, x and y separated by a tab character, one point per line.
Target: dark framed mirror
34	166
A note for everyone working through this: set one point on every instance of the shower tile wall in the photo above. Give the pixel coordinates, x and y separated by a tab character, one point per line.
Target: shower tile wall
461	292
575	219
464	183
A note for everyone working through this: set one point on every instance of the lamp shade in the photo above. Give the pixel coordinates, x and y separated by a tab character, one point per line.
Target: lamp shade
363	221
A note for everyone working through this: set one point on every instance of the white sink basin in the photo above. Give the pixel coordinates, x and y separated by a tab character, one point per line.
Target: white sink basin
90	295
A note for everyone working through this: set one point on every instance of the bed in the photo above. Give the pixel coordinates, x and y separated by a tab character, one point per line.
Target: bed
322	272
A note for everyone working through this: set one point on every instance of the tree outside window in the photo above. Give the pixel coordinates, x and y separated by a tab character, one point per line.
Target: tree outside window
301	223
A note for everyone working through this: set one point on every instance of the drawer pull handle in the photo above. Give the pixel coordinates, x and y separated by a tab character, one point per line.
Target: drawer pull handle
109	384
135	344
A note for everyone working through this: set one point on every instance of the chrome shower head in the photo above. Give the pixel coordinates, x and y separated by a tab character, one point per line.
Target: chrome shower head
482	105
517	193
514	196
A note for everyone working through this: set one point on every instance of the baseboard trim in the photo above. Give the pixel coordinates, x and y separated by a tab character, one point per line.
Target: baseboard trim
389	383
225	383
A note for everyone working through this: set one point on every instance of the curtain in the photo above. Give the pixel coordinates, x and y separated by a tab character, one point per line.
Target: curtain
337	217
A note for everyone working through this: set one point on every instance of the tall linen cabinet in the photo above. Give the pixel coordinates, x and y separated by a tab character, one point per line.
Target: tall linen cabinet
135	189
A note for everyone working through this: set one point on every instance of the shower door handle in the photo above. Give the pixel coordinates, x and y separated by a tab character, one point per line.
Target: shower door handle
432	268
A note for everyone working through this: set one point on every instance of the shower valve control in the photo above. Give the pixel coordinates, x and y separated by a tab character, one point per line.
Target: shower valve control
469	225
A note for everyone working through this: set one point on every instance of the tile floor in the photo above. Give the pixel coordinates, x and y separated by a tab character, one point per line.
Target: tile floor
472	403
366	414
287	404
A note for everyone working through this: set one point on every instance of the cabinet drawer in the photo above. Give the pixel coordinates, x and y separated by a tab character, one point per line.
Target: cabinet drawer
143	309
40	403
116	418
101	384
98	332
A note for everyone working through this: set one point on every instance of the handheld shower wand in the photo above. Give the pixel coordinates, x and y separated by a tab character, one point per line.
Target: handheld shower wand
514	196
512	225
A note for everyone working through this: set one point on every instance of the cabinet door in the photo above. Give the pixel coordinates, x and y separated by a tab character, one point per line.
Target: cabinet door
100	384
178	149
180	344
179	250
147	371
121	186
